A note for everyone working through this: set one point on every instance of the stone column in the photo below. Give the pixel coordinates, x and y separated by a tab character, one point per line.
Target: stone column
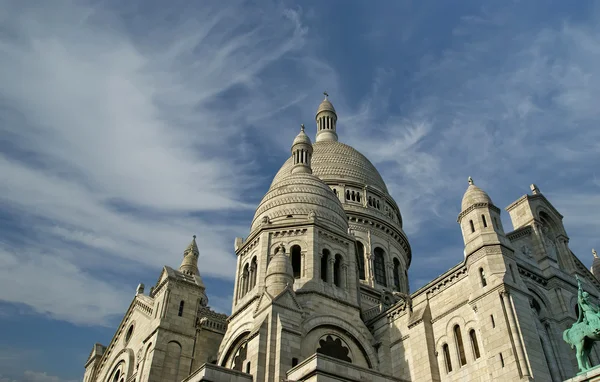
344	275
303	265
330	269
514	331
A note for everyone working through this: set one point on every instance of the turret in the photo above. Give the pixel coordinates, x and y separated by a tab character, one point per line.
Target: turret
280	273
479	220
189	265
326	121
302	153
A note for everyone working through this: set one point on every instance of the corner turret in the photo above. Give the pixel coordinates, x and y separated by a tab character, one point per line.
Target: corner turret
479	220
189	265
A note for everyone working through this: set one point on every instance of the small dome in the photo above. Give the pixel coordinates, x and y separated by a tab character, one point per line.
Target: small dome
326	106
298	196
474	195
280	273
301	138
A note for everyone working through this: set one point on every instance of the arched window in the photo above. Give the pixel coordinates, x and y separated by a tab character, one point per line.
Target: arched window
459	346
379	266
245	279
484	221
482	276
472	226
370	201
180	313
353	196
296	261
358	197
172	358
335	192
378	205
447	360
347	195
360	260
474	343
337	270
253	269
397	274
324	262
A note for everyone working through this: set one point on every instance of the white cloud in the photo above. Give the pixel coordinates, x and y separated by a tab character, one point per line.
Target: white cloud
118	136
34	376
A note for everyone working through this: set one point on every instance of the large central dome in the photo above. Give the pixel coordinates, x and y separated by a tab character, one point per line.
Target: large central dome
335	161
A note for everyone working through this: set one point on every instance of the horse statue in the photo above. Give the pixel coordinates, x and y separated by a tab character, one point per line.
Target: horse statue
582	334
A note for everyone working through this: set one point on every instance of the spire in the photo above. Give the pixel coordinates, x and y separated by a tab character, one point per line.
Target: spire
189	265
302	153
474	195
326	121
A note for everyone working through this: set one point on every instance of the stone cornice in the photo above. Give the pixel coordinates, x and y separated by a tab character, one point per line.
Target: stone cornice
477	206
519	233
300	292
449	311
533	197
243	307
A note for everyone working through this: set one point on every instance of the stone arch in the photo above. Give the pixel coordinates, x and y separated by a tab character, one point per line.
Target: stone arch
541	296
173	354
143	361
362	343
125	356
228	356
231	341
455	320
380	259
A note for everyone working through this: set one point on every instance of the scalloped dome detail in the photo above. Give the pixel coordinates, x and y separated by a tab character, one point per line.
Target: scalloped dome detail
336	161
300	196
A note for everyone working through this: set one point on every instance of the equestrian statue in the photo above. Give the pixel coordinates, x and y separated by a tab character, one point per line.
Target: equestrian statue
582	334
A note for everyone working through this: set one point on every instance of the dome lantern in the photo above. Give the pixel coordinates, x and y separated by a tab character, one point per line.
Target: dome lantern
301	153
326	121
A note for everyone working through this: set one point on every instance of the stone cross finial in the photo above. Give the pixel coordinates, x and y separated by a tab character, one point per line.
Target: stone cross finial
281	248
534	189
302	127
326	94
471	181
594	253
194	237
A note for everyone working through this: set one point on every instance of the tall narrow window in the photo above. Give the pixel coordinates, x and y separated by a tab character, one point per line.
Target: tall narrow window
253	269
297	261
472	226
459	345
248	368
337	270
360	260
180	313
347	195
358	197
474	343
484	221
501	360
397	274
447	360
245	279
324	262
493	322
482	276
379	266
157	310
294	362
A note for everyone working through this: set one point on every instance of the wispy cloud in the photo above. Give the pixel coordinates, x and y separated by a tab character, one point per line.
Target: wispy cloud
121	140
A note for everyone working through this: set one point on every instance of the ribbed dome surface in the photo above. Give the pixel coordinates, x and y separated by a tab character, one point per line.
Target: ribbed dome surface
325	106
295	197
474	195
335	161
301	138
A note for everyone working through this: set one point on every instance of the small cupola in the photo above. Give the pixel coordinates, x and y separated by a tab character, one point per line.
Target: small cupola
326	121
189	265
302	153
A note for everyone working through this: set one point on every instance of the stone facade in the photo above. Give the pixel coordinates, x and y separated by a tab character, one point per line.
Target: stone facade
321	291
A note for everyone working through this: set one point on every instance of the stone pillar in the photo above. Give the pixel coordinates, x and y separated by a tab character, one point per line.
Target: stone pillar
344	275
514	331
330	269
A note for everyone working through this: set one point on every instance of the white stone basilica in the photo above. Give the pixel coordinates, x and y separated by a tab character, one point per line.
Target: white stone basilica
321	291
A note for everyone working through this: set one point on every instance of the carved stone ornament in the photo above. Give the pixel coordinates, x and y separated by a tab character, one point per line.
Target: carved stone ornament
312	215
265	220
525	250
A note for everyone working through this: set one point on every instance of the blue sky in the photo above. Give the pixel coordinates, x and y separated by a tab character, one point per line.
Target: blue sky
127	127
